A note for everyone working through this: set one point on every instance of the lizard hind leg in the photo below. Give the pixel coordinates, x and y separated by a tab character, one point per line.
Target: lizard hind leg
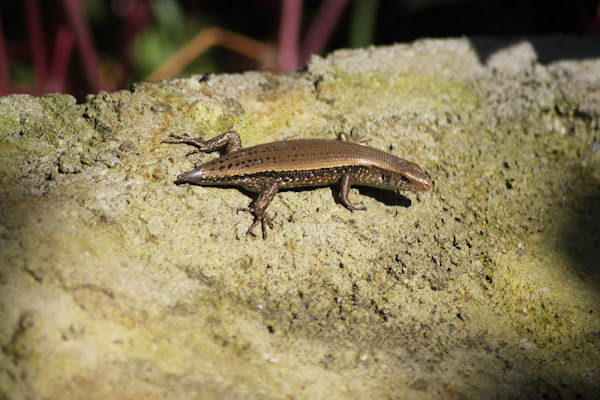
259	216
259	206
229	140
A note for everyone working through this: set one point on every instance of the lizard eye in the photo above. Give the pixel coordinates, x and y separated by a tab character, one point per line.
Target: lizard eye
404	180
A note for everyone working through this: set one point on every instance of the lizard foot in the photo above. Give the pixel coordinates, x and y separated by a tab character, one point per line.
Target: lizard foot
259	216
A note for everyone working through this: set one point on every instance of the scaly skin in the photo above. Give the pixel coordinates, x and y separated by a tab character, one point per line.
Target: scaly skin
268	167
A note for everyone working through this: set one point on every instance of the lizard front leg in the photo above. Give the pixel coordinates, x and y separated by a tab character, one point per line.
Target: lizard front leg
345	183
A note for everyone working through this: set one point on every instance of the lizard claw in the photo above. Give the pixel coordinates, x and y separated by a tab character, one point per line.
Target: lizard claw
176	138
193	152
259	216
356	207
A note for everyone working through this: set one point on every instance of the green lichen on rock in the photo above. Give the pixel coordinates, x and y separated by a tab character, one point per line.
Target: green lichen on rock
487	286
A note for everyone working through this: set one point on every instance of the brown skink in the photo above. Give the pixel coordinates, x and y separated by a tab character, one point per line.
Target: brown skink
268	167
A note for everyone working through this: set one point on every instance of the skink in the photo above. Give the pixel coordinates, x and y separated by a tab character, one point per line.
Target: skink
268	167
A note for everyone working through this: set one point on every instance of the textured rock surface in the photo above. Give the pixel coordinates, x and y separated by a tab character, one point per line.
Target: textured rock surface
117	283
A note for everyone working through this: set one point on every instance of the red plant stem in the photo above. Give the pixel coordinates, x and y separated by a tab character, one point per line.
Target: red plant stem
36	39
288	34
85	46
136	17
4	74
321	29
59	68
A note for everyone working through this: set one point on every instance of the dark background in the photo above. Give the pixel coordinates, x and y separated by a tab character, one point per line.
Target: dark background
83	46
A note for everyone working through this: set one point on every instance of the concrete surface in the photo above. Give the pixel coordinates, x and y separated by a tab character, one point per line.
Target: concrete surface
117	283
